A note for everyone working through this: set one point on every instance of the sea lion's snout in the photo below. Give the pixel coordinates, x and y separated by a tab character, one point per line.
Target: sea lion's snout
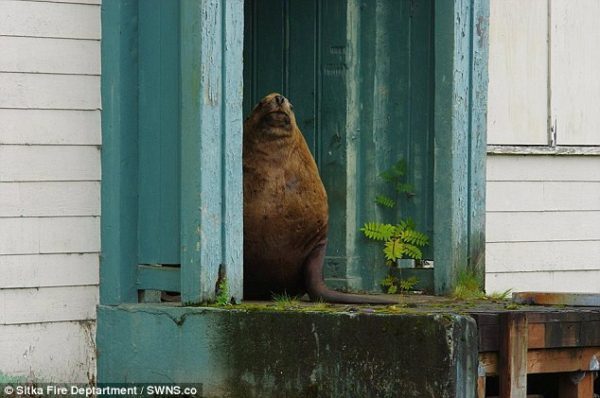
279	99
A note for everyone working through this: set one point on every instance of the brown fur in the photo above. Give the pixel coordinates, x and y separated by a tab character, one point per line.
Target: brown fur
285	209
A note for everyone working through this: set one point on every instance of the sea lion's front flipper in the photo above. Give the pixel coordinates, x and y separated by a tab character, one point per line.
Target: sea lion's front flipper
318	291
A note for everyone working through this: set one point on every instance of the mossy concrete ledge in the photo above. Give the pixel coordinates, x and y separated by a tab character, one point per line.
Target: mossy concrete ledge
241	353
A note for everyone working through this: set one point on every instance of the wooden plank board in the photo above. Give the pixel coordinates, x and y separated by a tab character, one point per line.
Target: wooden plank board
570	299
547	361
49	235
50	127
159	278
46	19
512	355
575	63
543	168
49	163
518	91
42	55
29	199
49	304
45	270
119	154
543	226
543	256
42	91
553	281
542	196
211	144
32	351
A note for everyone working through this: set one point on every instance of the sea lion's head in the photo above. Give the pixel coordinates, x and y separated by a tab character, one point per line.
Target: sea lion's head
272	117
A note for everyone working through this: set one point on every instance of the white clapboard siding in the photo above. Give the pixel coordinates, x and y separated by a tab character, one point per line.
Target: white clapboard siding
46	270
542	256
547	281
518	109
517	196
28	199
42	91
49	19
543	168
41	55
50	127
543	226
48	304
61	352
49	235
49	163
575	57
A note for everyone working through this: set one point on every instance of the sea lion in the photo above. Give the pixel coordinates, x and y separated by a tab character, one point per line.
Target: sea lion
285	210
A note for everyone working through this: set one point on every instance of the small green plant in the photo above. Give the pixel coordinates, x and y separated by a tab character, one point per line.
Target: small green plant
401	239
468	287
223	298
499	296
285	301
393	284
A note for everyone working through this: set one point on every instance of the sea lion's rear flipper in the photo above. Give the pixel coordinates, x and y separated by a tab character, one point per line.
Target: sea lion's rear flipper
318	291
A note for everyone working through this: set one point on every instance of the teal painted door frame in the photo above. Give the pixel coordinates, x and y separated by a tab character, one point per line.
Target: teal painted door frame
205	84
172	134
461	79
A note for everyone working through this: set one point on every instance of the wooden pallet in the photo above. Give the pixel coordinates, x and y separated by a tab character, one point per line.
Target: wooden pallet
513	344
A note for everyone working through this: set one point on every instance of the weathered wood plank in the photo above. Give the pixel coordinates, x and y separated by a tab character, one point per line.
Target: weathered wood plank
512	356
49	304
542	196
575	62
119	152
543	256
31	351
50	127
41	91
570	299
49	235
158	278
543	226
543	168
518	92
547	361
46	19
41	55
29	199
551	281
211	143
452	126
45	270
49	163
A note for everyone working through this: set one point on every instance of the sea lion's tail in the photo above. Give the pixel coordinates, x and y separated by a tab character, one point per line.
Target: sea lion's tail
318	291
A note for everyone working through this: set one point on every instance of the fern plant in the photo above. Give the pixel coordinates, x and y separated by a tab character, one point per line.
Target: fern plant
400	240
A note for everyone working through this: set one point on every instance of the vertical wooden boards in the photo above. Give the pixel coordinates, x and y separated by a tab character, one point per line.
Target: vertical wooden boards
119	154
518	111
394	108
460	67
513	355
478	138
159	131
575	60
211	142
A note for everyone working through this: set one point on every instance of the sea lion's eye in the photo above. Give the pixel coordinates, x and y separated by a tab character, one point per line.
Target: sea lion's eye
291	107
